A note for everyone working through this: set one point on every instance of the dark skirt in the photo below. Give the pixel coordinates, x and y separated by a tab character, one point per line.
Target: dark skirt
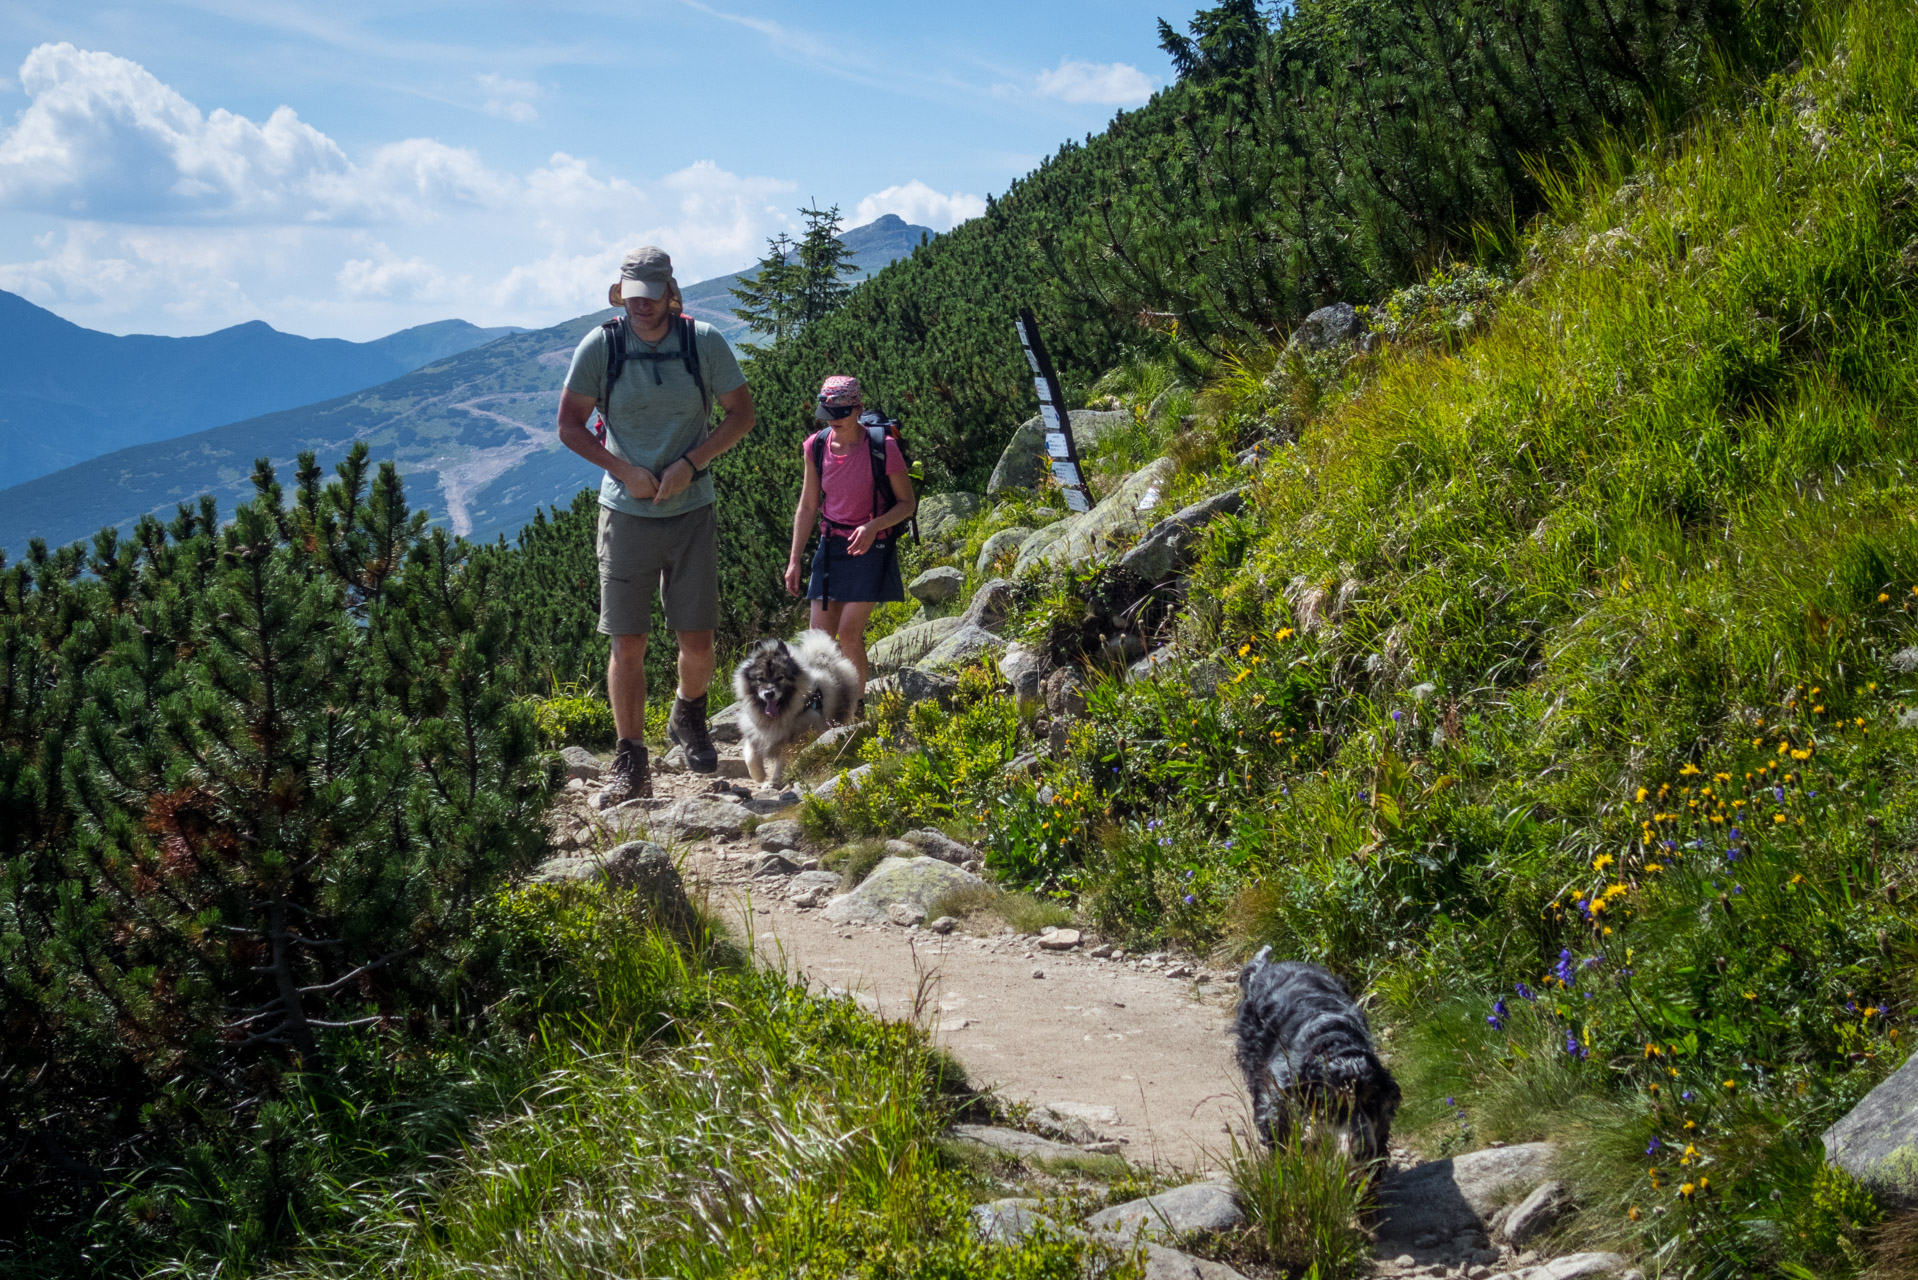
873	576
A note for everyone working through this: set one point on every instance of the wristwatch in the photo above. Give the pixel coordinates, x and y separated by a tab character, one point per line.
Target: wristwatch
698	471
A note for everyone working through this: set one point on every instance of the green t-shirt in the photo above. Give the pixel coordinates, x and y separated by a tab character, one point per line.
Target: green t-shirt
653	421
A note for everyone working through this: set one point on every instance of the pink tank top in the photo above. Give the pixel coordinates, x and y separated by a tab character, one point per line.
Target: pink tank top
845	482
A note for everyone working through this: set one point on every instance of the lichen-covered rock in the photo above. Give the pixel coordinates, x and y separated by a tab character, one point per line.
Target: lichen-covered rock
1014	1142
917	882
990	605
700	817
938	585
937	844
964	646
1167	547
580	763
908	644
940	513
1025	461
1877	1141
782	836
1327	327
852	777
1009	1221
1200	1206
915	685
1116	521
1064	693
1002	545
1020	664
637	864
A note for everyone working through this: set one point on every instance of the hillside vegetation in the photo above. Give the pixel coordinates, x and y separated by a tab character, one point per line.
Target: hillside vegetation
1566	661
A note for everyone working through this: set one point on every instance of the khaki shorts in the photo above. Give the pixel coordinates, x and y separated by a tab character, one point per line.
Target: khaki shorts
679	555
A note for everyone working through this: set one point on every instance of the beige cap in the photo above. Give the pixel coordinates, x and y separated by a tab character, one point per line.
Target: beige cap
647	272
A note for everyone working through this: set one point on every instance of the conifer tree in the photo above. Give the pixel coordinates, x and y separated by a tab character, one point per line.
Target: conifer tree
770	298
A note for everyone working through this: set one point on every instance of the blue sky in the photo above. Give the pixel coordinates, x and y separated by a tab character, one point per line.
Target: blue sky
344	169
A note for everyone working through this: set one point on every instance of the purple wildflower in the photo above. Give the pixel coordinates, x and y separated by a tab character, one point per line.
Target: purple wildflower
1496	1018
1652	1147
1574	1048
1524	992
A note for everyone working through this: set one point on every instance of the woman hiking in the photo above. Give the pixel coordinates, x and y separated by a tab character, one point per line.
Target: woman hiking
857	564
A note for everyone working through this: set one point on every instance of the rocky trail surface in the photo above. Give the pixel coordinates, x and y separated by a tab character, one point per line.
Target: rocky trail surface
1113	1055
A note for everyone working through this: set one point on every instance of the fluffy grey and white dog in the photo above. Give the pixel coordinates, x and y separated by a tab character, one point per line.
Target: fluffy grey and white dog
1307	1055
790	692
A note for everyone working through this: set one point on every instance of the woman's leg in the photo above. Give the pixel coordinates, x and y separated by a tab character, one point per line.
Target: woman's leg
825	615
851	634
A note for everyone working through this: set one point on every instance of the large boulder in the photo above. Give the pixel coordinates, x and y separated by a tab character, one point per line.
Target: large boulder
1003	545
937	844
637	864
1443	1199
1020	665
1200	1206
1877	1141
1167	547
1013	1142
941	513
852	777
1328	327
907	645
723	724
918	882
1118	519
581	763
916	685
1025	460
937	586
990	605
964	646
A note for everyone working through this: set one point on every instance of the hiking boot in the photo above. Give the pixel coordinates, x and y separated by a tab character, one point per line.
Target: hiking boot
687	729
629	778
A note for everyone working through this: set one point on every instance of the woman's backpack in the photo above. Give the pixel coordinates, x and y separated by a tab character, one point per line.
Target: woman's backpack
879	429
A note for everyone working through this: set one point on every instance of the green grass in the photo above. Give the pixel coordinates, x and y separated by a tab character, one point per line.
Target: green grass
1023	912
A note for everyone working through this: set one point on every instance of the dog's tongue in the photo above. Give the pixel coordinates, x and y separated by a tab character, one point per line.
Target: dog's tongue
769	699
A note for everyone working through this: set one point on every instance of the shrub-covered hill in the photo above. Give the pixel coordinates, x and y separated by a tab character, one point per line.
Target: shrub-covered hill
1555	680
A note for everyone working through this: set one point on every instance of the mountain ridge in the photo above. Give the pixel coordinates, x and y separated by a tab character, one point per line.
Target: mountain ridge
69	393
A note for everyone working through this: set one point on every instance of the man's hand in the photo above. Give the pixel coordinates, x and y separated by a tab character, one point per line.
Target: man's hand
673	481
640	483
792	577
861	541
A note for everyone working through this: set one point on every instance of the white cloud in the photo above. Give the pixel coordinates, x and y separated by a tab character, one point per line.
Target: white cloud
510	99
104	139
919	204
1109	84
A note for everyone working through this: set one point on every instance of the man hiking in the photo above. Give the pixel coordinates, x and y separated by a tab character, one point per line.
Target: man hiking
656	526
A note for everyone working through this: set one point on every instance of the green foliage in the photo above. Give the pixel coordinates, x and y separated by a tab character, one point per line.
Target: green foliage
259	779
575	716
796	284
1304	1205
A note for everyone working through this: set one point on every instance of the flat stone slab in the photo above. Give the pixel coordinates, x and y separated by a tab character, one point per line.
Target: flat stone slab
1577	1266
1161	1263
907	645
937	844
917	882
967	643
771	802
809	881
1118	518
1060	940
1443	1199
1877	1141
782	836
1015	1142
1010	1221
1201	1206
701	817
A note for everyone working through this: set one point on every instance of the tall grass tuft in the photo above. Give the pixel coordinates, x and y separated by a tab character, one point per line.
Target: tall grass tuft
1305	1205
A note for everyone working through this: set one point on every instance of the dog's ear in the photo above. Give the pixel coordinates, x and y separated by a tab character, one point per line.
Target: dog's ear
1252	966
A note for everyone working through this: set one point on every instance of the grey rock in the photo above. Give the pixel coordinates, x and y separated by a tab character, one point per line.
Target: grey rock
1065	695
1168	546
1020	664
963	647
1578	1266
1877	1141
937	844
939	514
917	882
852	777
770	803
1123	649
808	881
937	586
580	763
1118	519
782	836
1024	460
733	767
701	817
1014	1142
723	724
1026	762
1443	1198
673	761
990	605
1092	1114
1159	1262
774	864
944	924
1537	1213
905	914
1060	940
1201	1206
915	685
1010	1221
1153	663
638	865
907	645
1001	545
1328	327
839	744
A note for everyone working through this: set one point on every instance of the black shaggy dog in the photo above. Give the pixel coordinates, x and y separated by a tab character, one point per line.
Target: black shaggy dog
1306	1052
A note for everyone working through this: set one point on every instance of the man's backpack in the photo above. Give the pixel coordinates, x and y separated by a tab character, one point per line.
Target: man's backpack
879	428
617	355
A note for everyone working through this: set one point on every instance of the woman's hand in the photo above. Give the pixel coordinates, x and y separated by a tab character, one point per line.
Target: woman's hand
792	577
861	541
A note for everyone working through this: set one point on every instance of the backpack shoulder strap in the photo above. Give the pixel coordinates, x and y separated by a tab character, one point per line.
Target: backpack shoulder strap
615	356
689	347
882	498
817	446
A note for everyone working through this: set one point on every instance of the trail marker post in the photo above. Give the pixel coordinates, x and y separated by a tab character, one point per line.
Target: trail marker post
1060	450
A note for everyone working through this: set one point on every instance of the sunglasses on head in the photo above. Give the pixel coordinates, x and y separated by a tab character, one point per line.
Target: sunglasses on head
838	412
